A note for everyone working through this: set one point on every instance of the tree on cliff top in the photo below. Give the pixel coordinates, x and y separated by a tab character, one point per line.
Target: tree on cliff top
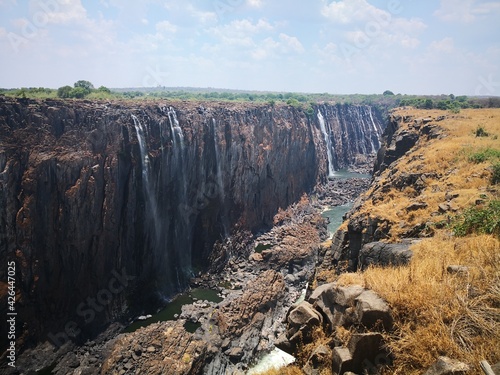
83	89
86	85
64	92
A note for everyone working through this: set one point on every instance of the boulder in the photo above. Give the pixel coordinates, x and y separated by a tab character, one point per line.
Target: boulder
416	206
301	322
384	254
443	207
332	300
234	354
447	366
366	351
255	257
363	353
341	360
372	311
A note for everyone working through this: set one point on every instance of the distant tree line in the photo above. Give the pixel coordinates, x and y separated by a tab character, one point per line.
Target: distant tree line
305	102
452	103
81	89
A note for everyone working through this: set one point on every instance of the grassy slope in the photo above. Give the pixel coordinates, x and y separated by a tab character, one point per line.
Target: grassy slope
438	313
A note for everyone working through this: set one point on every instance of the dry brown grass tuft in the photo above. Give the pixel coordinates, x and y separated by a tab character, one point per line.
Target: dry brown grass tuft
289	370
319	337
351	278
438	313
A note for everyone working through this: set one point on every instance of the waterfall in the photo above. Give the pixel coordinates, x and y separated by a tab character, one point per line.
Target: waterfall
148	189
177	135
328	143
220	180
182	228
375	133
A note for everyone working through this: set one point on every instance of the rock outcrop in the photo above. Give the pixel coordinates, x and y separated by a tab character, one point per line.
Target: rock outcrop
384	254
358	244
332	306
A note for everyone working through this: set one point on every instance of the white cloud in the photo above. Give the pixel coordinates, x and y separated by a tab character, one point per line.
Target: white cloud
291	44
255	3
270	48
349	11
166	27
202	16
445	45
465	11
408	25
265	50
372	27
241	28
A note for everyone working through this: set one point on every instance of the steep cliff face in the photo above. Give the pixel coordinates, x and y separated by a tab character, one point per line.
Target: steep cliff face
365	224
106	206
351	133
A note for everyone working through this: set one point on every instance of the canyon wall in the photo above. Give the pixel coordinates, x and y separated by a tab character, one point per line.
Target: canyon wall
109	206
365	226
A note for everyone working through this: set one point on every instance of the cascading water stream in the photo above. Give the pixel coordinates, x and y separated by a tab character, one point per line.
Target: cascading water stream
183	227
148	190
375	133
220	181
328	143
177	135
178	145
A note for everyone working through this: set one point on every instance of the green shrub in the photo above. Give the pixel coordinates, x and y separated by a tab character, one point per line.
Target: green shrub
293	102
480	220
495	177
487	154
480	132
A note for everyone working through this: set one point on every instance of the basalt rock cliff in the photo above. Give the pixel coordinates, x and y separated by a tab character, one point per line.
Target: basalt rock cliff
108	206
364	227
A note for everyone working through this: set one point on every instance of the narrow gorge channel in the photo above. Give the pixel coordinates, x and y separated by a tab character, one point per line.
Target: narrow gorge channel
110	209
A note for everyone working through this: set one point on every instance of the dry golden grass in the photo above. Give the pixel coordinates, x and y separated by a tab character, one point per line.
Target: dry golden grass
449	157
436	312
289	370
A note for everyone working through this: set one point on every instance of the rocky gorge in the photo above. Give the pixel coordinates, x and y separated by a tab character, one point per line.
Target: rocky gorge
110	208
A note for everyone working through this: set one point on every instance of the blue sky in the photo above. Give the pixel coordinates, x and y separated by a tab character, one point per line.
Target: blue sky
341	46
